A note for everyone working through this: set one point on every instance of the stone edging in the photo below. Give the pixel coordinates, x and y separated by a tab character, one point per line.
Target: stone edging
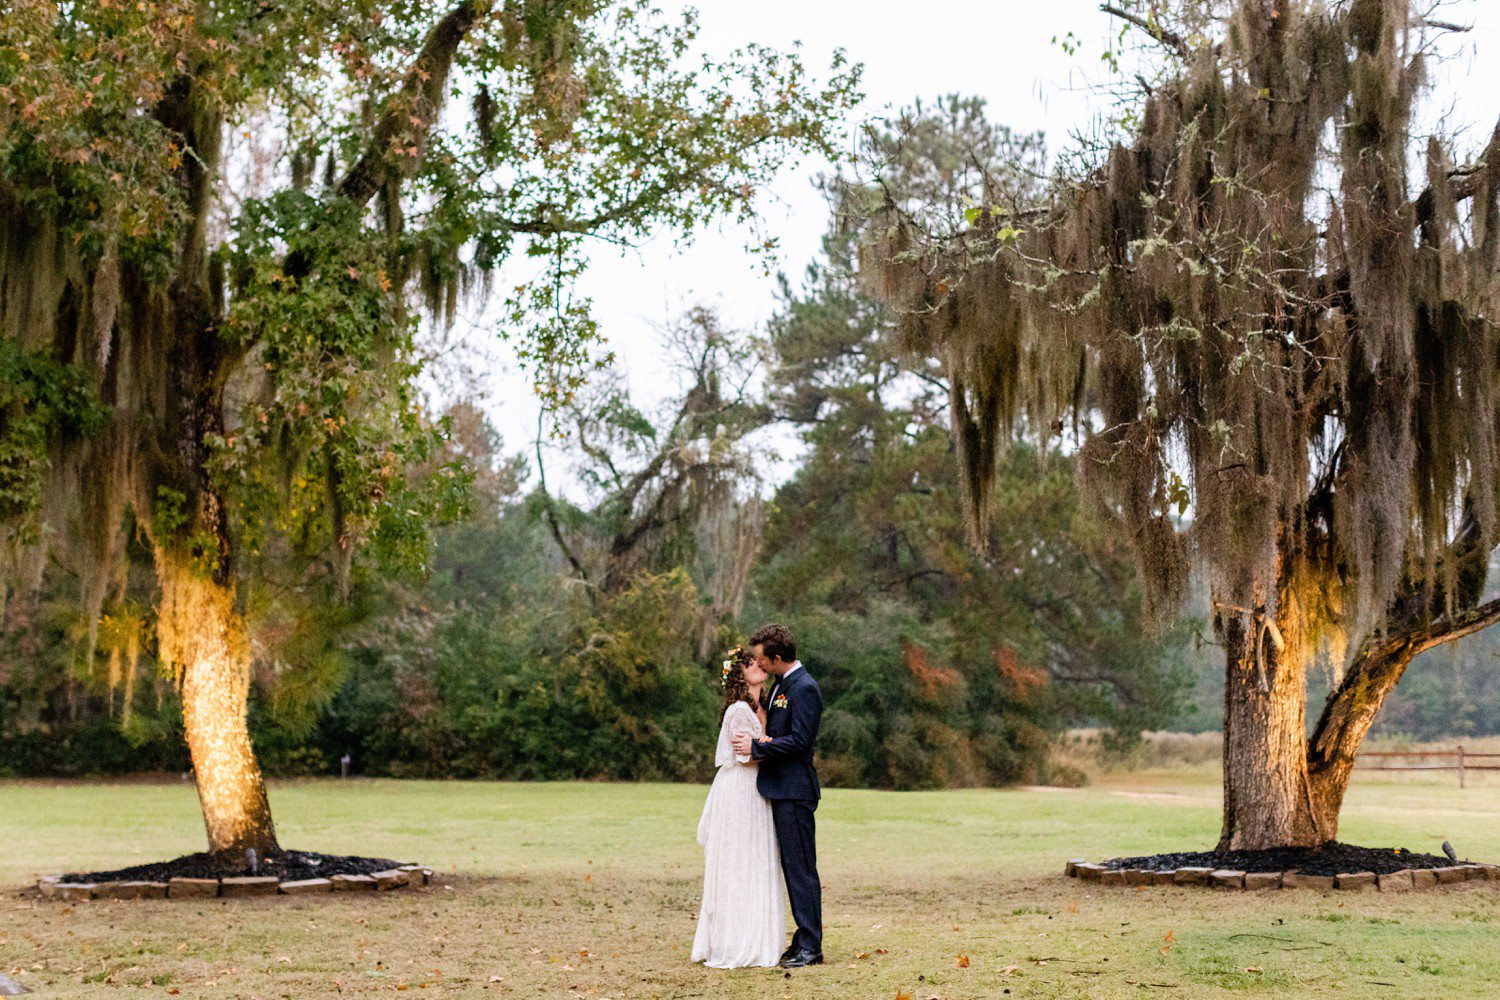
52	886
1402	881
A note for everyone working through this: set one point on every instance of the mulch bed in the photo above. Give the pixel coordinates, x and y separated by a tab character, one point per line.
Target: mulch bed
1332	858
287	866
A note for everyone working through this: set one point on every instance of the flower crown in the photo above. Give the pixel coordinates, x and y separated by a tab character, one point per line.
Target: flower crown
728	665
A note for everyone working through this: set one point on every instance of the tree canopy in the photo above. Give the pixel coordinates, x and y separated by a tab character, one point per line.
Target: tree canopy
221	224
1275	342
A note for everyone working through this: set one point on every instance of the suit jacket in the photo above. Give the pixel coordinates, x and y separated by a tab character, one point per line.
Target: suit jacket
786	762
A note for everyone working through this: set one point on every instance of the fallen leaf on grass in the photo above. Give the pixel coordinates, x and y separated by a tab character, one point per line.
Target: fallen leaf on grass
902	996
963	961
1167	946
1253	968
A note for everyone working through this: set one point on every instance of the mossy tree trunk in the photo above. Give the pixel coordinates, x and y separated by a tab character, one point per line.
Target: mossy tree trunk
1266	802
1282	788
201	633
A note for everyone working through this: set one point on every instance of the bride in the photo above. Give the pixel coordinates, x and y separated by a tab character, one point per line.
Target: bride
743	918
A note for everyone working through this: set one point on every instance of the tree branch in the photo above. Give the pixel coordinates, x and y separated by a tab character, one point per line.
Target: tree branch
401	135
541	224
1170	39
1464	182
1352	706
547	507
1446	630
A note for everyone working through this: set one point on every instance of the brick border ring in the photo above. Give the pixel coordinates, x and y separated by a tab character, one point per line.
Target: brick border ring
1401	881
53	886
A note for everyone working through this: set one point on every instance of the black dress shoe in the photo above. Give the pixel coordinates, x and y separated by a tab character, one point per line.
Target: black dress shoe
791	950
802	958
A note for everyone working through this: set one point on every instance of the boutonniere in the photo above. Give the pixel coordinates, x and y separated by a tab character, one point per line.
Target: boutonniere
779	701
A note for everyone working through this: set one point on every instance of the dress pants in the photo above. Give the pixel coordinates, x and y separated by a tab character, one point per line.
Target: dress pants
799	865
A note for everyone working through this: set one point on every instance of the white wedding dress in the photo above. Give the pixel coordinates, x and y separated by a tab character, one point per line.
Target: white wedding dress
742	921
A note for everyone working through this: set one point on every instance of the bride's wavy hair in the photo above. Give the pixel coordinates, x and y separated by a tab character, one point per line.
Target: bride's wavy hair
732	679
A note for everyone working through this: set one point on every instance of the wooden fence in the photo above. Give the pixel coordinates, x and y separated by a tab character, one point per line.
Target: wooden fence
1458	759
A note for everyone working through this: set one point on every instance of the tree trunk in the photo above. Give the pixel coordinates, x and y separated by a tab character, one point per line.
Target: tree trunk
205	639
1266	801
1352	706
199	632
1347	717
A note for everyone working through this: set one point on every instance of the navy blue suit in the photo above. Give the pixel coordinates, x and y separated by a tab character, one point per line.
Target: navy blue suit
788	779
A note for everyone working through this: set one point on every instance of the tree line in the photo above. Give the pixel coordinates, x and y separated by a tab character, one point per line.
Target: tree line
577	637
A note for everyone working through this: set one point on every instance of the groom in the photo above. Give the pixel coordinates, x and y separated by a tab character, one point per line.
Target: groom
788	780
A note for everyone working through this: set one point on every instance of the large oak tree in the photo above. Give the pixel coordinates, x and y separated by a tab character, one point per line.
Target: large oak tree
1266	317
222	223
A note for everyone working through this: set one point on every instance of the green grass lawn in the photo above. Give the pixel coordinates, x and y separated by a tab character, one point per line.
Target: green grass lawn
590	890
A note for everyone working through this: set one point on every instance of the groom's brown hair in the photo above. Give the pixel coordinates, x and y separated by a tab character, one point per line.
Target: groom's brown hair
776	642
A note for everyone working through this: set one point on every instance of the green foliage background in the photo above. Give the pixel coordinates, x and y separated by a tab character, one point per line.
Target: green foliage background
543	639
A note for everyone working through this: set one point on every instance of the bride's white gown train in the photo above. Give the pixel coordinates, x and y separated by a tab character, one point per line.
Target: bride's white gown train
742	921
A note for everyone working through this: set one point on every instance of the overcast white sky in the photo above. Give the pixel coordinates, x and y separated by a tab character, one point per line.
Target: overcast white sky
1001	50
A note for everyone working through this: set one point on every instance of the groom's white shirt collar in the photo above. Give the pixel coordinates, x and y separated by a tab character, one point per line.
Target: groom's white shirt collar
796	665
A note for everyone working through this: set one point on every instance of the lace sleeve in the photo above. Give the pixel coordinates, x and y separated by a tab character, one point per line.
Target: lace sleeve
741	719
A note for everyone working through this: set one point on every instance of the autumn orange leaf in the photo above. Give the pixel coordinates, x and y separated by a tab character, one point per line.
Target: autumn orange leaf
963	961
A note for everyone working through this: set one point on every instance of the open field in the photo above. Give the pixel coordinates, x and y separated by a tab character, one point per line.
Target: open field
589	890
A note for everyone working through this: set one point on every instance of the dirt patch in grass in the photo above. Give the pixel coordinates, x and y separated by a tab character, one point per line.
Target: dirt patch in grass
1332	858
288	865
